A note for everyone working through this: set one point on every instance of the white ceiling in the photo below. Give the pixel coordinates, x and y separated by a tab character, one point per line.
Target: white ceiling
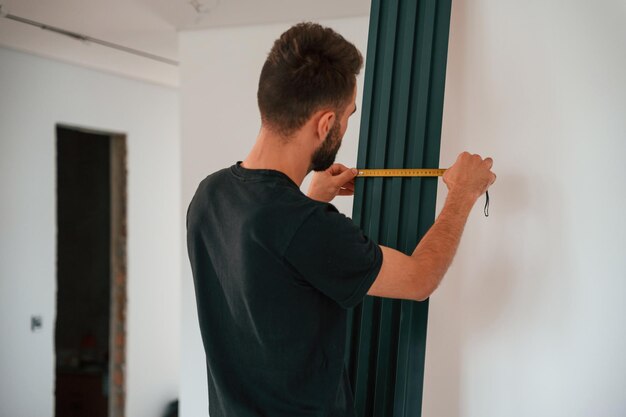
147	25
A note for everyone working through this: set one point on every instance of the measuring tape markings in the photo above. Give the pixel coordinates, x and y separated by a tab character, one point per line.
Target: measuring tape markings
401	172
410	172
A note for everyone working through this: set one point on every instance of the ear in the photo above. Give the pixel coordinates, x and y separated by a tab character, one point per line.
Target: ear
325	123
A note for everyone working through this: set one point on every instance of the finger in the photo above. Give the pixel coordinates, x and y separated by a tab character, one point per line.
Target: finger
464	154
488	162
346	176
345	191
336	169
348	186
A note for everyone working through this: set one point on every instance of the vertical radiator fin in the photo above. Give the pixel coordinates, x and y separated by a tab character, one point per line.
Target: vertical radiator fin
400	128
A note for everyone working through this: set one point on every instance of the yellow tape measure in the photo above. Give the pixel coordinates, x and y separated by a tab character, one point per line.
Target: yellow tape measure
401	172
408	172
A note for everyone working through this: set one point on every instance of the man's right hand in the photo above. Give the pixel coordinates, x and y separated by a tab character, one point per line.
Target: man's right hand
470	175
415	277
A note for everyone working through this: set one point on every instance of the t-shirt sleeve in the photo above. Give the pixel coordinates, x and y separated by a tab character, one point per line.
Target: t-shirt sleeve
333	255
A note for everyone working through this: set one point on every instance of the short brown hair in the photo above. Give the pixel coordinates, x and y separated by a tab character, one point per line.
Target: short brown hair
308	68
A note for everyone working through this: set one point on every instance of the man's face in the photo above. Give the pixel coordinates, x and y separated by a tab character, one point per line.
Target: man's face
325	155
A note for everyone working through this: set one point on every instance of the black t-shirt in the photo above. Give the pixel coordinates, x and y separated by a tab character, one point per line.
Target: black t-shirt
274	272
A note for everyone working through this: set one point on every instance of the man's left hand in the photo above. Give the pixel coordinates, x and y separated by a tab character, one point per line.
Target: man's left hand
336	180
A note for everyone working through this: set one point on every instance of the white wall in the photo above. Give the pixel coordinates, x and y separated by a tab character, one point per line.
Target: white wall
530	320
220	121
35	95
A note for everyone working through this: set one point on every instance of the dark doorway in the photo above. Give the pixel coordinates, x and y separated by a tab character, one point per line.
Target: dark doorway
91	277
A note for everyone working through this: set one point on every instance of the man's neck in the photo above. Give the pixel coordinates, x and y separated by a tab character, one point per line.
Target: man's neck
289	156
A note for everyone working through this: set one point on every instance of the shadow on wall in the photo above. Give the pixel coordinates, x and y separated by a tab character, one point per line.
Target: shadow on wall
171	410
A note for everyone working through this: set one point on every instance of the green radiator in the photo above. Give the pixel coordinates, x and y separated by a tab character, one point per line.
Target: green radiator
400	128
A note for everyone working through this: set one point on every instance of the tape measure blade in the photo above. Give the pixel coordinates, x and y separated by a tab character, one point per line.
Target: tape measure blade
401	172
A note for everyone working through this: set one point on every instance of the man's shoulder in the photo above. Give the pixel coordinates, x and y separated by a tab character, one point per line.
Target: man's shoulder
215	183
216	177
211	184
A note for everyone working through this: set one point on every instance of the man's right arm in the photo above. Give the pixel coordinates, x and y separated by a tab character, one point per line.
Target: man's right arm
415	277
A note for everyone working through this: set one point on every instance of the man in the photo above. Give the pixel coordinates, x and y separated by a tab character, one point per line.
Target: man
274	269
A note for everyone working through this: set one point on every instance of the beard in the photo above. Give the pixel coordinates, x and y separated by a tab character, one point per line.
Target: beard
324	156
